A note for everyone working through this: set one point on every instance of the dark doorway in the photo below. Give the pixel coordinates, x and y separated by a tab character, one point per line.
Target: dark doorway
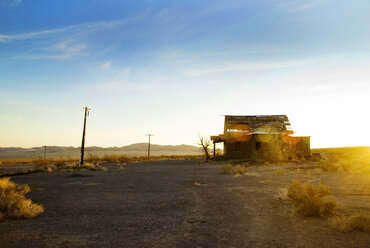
258	146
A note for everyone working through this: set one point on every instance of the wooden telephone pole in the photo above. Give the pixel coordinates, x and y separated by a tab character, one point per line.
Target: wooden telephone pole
87	110
149	145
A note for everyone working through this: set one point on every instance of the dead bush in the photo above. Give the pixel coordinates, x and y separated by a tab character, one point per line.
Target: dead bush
92	158
239	169
13	202
60	163
357	222
110	158
123	159
93	167
311	200
40	163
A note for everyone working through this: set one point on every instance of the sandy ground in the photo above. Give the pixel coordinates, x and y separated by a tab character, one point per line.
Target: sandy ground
156	204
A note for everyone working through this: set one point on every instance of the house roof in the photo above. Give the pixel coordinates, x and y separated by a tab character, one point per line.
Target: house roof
243	127
257	123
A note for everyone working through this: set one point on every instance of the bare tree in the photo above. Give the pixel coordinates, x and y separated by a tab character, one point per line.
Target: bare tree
205	145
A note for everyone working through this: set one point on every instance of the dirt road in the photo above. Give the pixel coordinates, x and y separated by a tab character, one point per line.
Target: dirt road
157	204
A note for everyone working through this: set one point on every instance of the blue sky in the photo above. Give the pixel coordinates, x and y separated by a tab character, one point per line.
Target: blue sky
173	68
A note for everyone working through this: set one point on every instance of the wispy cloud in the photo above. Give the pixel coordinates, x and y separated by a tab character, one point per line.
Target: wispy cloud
68	46
29	35
221	53
106	66
304	6
16	2
83	28
61	43
11	3
248	66
65	49
121	79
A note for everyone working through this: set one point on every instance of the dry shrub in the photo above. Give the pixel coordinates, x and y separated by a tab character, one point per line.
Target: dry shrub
93	167
229	169
13	202
311	200
92	158
71	165
357	222
239	169
226	169
123	159
60	163
110	158
40	163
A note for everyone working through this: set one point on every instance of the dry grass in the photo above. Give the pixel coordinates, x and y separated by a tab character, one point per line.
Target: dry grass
229	169
16	161
351	160
226	169
13	202
311	200
93	162
60	163
280	172
357	222
95	159
67	164
92	167
40	163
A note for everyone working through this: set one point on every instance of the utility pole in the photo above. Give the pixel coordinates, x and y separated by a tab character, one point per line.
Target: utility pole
87	110
44	152
149	145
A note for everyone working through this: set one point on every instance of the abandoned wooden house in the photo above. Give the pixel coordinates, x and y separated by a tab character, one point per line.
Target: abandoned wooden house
261	137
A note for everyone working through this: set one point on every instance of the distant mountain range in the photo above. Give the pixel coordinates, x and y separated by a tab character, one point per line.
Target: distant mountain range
69	151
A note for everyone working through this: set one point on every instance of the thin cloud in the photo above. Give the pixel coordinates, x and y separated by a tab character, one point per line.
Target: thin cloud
16	2
106	66
68	46
119	80
82	28
57	56
248	66
11	3
30	35
62	50
305	6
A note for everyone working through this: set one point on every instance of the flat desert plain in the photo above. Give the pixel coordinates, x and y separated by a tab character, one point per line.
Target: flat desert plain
182	203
